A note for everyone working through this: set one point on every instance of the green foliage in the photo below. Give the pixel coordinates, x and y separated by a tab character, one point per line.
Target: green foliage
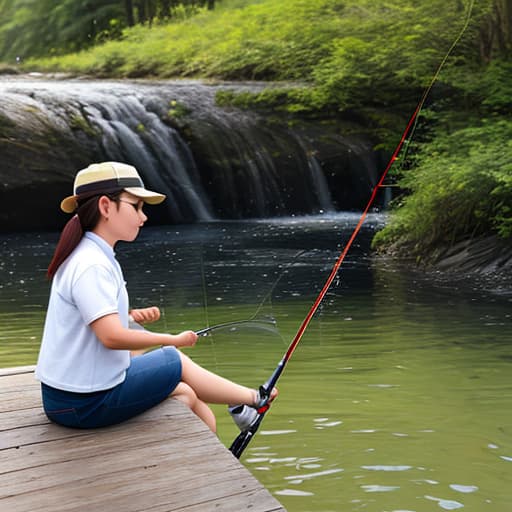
495	86
45	27
347	54
37	28
390	56
480	88
461	185
339	45
177	110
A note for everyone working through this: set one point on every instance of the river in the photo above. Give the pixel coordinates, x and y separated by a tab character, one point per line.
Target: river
398	397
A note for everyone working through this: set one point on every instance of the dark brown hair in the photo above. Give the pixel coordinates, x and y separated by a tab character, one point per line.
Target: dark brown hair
85	219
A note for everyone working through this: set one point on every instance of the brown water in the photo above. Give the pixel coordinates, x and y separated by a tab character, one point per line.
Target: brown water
398	397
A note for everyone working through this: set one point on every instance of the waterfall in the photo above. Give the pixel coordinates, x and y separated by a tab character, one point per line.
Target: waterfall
133	134
319	182
211	162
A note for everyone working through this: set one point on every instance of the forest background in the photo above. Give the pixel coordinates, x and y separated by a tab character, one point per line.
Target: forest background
324	59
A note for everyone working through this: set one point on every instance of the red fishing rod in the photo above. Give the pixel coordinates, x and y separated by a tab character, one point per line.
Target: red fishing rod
243	439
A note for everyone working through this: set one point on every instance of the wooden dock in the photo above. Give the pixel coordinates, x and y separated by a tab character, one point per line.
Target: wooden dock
164	460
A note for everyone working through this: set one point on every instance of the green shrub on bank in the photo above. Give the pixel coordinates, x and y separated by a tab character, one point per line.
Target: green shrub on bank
461	186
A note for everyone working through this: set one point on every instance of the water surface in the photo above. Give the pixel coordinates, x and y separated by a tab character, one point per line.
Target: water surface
399	395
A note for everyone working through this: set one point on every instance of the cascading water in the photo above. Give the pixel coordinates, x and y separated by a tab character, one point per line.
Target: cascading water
211	162
132	133
320	186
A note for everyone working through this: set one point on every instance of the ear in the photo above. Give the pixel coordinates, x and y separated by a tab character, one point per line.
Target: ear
104	205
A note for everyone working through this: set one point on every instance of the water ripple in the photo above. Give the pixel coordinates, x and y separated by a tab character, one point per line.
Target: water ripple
307	476
387	468
445	504
277	432
293	492
464	488
380	488
322	423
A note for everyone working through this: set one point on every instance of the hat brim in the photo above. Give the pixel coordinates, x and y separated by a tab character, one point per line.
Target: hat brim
69	204
148	196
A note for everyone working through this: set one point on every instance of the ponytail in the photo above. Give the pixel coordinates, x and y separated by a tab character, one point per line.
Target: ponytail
69	239
86	218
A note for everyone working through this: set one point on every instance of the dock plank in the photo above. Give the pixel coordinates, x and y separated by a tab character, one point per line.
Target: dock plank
163	460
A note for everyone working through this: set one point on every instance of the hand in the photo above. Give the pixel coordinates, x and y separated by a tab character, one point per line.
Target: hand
145	315
186	339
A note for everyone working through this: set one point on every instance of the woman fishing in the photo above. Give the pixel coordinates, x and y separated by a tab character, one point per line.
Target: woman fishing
90	371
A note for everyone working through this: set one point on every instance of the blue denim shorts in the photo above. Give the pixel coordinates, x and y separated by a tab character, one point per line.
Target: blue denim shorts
150	379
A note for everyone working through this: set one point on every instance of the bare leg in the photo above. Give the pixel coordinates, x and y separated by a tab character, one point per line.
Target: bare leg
212	388
184	393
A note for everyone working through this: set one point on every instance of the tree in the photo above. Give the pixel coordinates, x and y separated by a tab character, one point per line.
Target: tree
496	31
128	6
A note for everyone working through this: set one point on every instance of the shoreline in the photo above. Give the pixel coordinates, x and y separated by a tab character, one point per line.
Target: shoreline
484	261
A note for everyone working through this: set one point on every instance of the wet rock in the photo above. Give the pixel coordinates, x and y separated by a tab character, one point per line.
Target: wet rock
484	255
211	162
38	158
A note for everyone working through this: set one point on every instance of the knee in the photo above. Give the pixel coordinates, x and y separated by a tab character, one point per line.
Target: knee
185	394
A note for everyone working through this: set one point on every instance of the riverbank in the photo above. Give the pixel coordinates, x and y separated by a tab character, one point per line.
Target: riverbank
487	261
484	261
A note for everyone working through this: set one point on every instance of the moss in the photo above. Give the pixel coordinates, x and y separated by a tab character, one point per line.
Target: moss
6	126
80	123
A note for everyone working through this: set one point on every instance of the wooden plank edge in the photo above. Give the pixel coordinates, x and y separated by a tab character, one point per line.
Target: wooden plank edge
16	370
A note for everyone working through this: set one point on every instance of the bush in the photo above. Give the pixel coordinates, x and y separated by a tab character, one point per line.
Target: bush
461	186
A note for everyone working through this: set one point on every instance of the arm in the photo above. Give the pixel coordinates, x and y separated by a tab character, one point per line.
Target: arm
113	335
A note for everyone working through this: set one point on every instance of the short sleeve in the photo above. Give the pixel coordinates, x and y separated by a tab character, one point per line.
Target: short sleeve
95	293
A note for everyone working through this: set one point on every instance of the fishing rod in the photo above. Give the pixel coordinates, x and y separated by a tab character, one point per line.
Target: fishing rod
244	438
263	323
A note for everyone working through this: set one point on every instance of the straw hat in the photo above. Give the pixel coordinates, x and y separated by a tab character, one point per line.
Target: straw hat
108	177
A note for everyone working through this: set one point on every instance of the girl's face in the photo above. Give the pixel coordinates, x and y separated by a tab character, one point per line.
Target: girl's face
121	219
130	209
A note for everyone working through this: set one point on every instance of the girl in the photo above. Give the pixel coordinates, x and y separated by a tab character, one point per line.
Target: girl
90	376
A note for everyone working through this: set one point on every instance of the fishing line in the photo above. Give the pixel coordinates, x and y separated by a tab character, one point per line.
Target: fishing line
243	439
206	330
265	322
162	310
269	294
433	81
203	285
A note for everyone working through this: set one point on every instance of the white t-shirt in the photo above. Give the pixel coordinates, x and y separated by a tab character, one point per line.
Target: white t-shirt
88	285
